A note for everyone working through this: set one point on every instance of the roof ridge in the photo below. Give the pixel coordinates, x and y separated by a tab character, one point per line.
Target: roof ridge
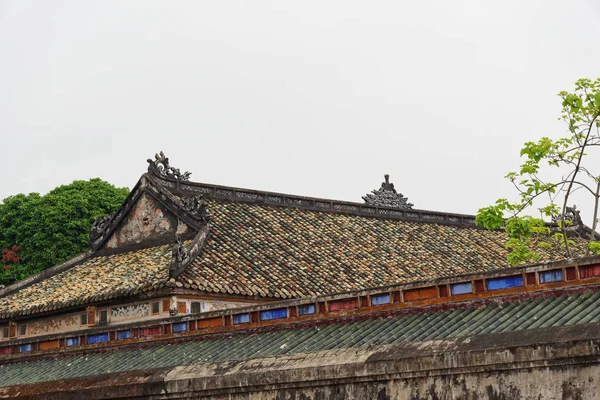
268	198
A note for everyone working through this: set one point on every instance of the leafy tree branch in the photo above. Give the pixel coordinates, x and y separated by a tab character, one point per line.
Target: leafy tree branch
581	112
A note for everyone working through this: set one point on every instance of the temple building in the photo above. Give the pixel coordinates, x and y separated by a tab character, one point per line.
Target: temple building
193	290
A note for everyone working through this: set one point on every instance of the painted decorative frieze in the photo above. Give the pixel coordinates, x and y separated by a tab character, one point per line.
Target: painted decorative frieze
47	326
215	305
127	313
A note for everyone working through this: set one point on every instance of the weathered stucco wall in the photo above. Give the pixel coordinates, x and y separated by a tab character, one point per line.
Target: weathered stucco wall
555	363
576	383
147	220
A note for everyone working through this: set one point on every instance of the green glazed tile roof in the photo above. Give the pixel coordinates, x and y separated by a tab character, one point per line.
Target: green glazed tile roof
286	252
580	308
97	279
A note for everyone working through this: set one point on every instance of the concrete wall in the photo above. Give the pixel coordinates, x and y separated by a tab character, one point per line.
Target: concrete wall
556	363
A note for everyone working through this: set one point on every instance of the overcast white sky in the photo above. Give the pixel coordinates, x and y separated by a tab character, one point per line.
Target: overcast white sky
318	98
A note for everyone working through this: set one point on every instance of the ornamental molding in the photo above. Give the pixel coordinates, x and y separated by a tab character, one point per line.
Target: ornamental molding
387	196
180	253
100	227
182	256
160	166
196	207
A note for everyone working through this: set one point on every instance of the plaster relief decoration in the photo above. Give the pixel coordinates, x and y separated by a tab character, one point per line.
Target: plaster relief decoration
146	220
54	325
126	313
181	228
173	308
215	305
386	196
160	166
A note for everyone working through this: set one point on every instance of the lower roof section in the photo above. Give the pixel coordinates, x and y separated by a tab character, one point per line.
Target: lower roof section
467	320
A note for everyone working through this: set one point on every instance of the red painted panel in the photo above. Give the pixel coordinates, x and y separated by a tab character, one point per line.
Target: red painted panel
589	271
479	286
152	331
293	311
530	277
192	325
443	291
165	306
397	297
167	328
6	350
343	304
571	273
421	294
254	316
322	308
112	335
364	301
210	322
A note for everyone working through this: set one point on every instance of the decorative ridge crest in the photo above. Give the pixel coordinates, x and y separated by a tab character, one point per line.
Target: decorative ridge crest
196	206
180	253
571	217
160	166
100	227
182	256
386	196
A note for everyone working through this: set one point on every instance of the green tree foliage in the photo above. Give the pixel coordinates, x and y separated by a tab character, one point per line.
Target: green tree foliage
581	113
52	228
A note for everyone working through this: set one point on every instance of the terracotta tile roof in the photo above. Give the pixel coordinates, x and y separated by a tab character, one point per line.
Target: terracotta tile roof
287	252
275	252
97	279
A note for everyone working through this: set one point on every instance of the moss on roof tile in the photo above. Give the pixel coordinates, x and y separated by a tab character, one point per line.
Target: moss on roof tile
97	279
286	252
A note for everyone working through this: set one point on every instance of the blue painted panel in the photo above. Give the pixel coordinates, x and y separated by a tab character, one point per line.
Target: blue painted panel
273	314
307	309
180	327
123	335
378	299
461	288
74	341
241	319
504	283
24	348
98	338
551	276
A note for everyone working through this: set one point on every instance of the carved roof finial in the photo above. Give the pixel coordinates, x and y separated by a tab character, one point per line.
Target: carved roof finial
160	166
100	227
387	185
386	196
571	214
180	253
